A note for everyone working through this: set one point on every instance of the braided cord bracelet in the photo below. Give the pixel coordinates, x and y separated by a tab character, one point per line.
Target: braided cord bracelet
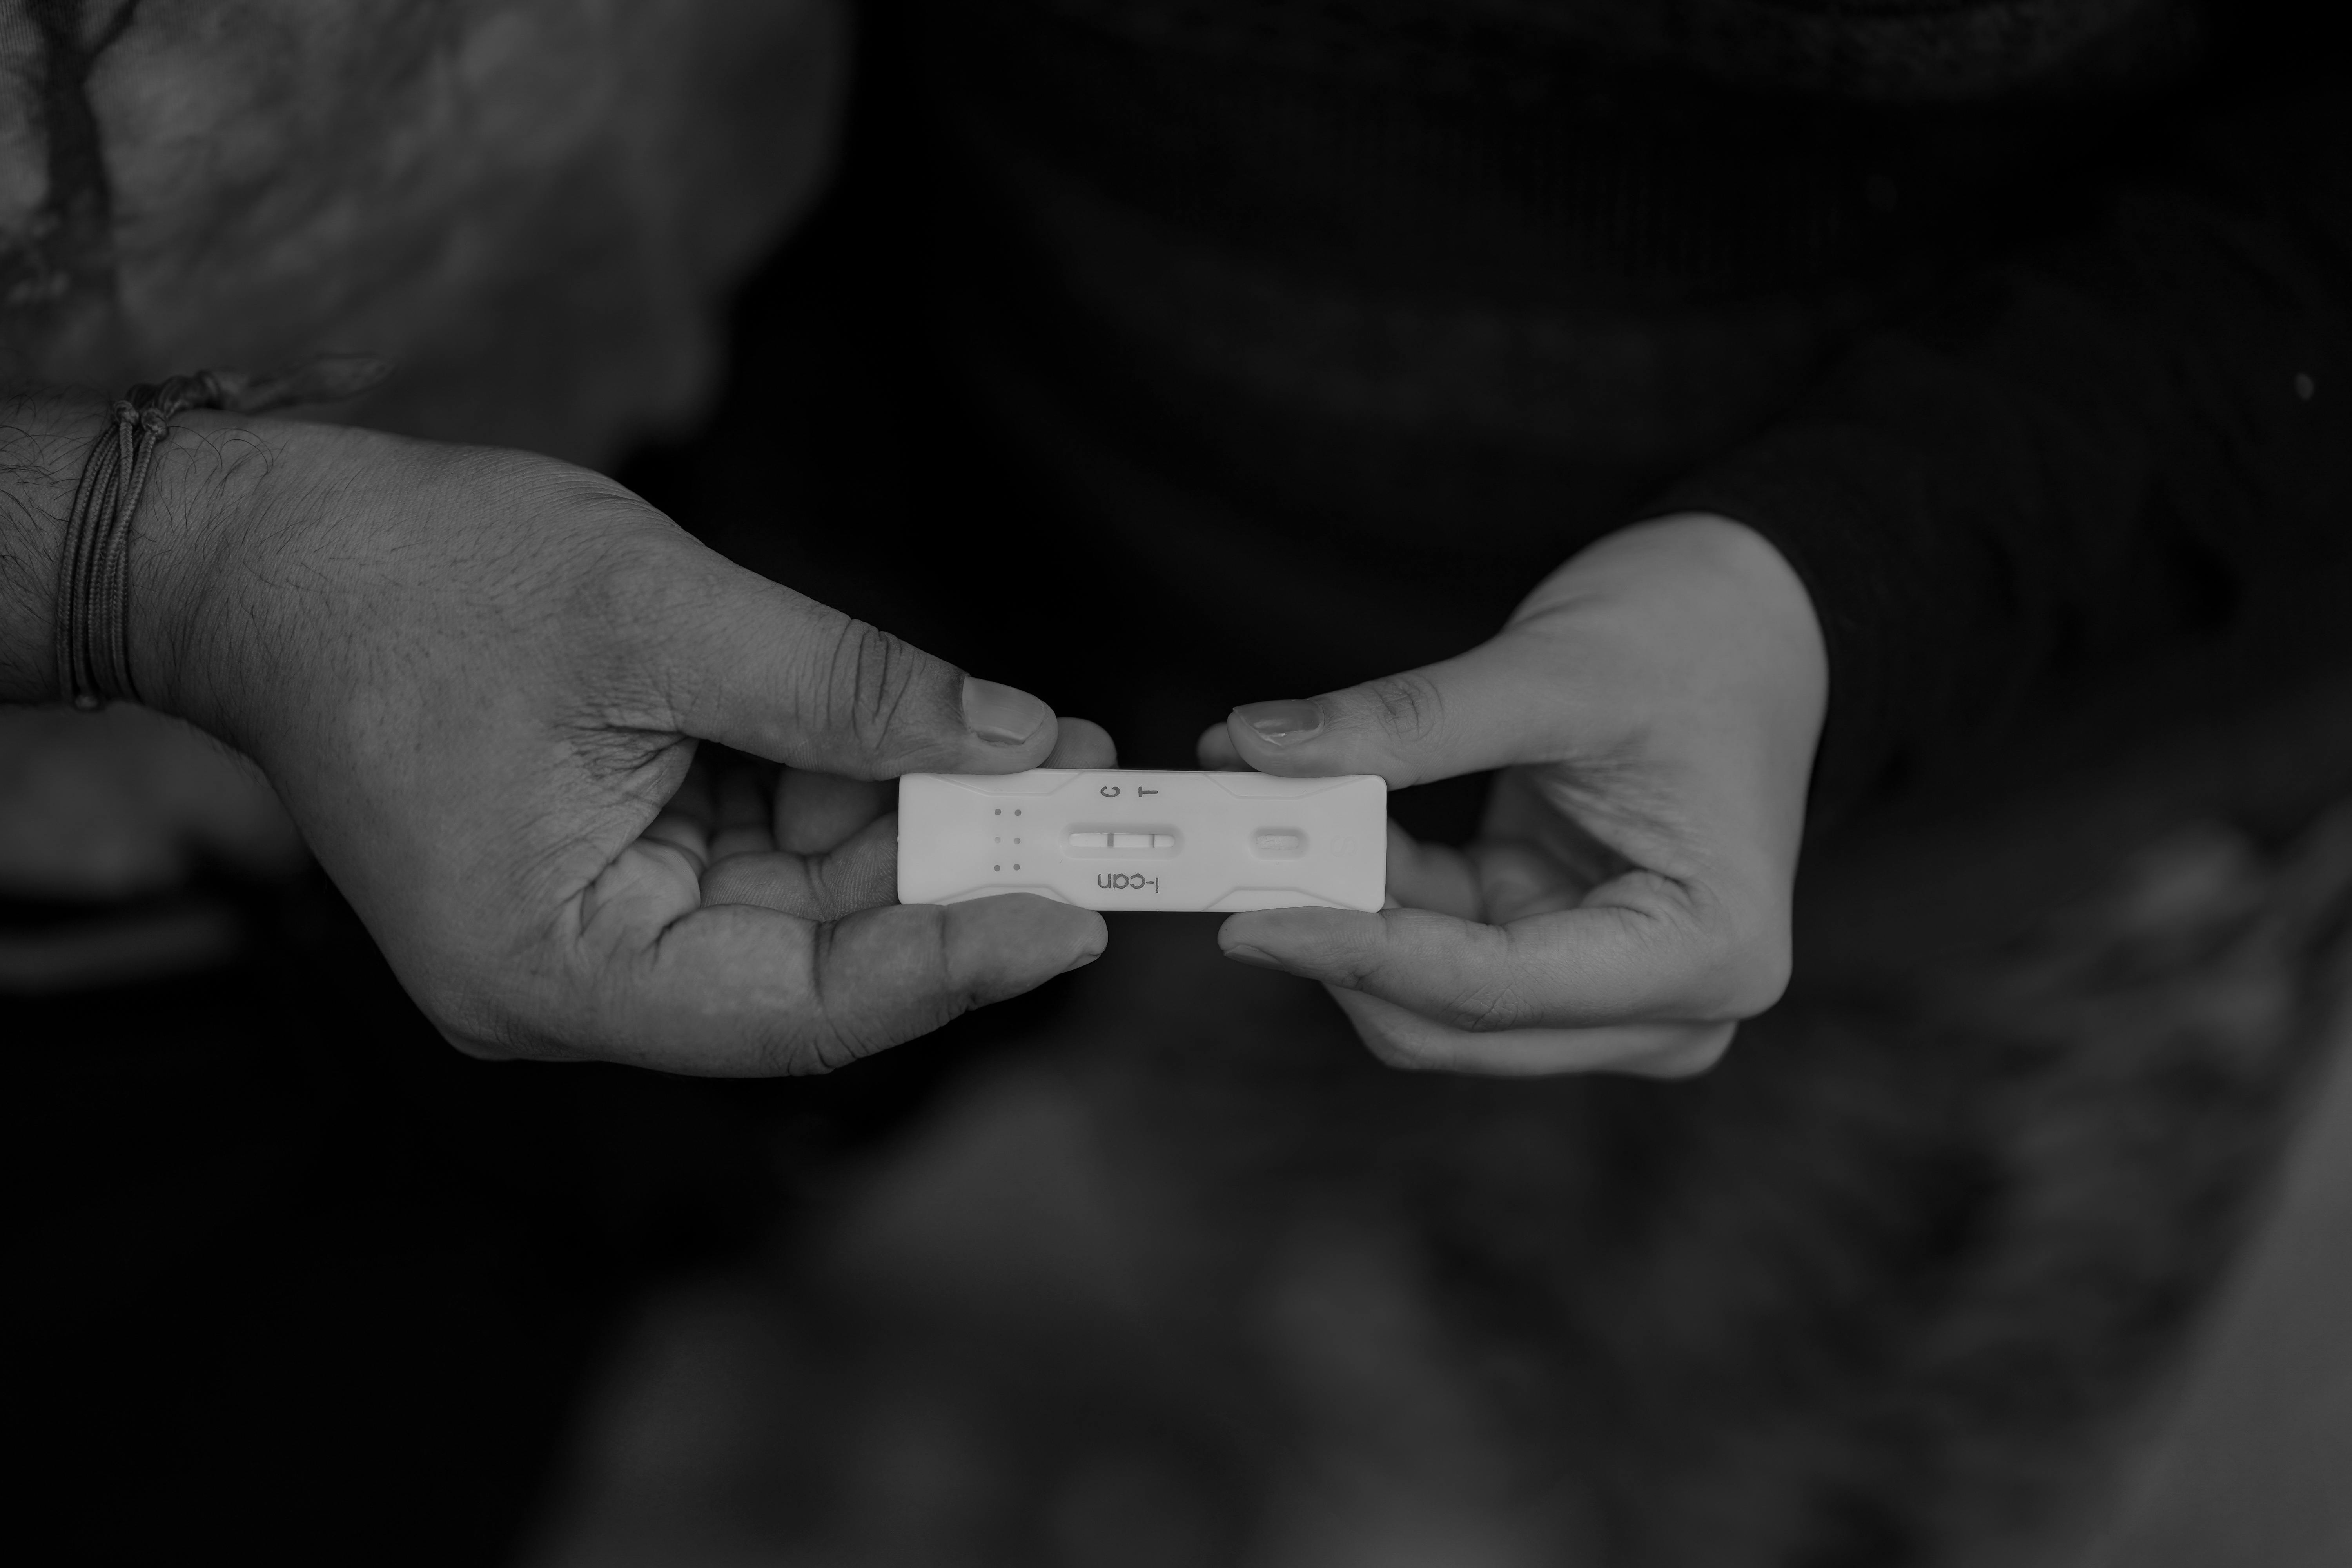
93	630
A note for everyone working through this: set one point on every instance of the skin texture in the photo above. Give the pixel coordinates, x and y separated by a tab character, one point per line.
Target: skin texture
481	681
493	690
1653	710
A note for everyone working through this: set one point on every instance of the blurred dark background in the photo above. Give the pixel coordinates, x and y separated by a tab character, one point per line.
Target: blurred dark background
299	1274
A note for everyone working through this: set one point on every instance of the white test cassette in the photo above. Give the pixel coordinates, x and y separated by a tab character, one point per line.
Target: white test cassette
1135	839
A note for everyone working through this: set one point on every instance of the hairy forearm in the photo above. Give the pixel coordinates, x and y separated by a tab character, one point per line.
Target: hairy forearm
43	440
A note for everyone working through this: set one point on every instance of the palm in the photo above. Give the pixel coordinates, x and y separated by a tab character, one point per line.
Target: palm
740	831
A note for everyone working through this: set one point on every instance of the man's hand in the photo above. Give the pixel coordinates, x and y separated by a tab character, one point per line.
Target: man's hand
478	681
1654	709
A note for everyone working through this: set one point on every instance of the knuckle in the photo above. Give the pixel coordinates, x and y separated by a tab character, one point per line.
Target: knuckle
826	1038
1741	961
1701	1055
822	879
826	1047
1752	972
856	1010
1408	706
619	554
1497	994
611	603
1484	1010
870	679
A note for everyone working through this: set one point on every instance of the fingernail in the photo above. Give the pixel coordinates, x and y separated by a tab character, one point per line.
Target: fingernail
1255	957
1003	715
1283	723
1080	962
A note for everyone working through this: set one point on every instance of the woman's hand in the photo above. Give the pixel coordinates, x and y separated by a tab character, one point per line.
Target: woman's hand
478	681
1654	709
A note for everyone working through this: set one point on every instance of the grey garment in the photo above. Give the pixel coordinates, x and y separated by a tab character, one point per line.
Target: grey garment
532	204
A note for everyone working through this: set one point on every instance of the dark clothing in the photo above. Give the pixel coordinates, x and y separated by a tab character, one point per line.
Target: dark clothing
2024	329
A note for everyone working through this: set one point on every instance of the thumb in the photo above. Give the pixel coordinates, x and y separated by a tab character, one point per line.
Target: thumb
1464	715
774	673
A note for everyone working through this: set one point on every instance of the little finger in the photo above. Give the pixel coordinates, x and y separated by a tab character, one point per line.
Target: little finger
1403	1038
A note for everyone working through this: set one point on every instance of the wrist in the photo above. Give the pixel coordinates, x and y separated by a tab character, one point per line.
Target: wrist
208	510
208	477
